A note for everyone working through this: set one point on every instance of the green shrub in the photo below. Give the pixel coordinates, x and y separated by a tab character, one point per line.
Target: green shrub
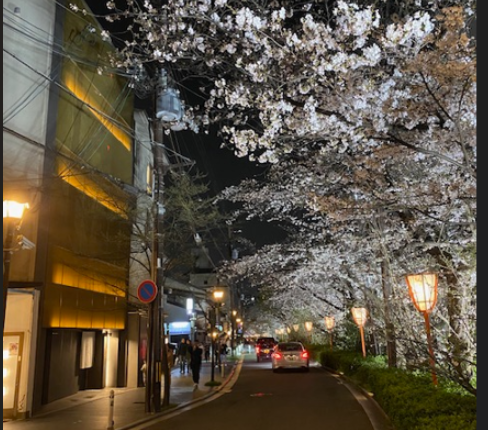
410	399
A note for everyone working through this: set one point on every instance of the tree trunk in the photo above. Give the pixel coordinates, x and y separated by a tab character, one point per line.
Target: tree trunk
389	326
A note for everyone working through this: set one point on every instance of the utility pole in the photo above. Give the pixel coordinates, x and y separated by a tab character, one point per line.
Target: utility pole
213	328
159	168
167	108
153	385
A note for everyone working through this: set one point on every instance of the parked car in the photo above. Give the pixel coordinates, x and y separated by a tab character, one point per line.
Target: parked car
290	355
264	347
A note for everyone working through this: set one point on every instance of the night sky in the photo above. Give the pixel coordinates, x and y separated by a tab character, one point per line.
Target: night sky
220	166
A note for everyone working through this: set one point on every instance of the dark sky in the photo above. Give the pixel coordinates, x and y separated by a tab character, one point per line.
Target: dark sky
221	167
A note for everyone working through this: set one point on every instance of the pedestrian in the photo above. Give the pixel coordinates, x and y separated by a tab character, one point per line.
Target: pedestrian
223	353
216	353
207	352
196	363
182	355
144	372
171	355
188	354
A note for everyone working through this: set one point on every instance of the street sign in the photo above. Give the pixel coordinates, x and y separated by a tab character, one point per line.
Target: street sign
147	291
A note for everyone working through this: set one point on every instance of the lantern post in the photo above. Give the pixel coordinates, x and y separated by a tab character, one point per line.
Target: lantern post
422	289
360	315
329	324
308	327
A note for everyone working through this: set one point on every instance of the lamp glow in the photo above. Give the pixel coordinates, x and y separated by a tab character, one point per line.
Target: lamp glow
13	209
422	288
360	316
218	295
329	323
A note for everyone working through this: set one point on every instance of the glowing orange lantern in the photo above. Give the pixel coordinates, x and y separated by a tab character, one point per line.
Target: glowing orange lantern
360	316
422	288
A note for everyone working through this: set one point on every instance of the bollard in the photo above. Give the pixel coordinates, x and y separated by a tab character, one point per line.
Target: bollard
222	370
111	399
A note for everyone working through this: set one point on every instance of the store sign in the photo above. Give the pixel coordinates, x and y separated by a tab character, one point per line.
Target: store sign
179	327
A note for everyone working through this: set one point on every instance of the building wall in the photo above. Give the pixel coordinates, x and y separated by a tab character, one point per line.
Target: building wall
63	364
133	366
68	150
140	262
28	32
28	24
88	242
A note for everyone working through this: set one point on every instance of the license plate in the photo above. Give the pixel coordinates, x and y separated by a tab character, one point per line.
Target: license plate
266	351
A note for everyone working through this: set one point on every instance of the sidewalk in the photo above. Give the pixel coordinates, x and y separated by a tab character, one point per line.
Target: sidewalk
89	409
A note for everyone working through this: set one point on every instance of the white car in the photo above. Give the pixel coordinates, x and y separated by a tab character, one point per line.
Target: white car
290	355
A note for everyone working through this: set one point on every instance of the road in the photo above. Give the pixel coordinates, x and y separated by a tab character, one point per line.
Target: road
259	399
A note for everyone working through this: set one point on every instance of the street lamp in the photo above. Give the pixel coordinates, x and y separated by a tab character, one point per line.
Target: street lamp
329	324
360	315
12	218
239	327
217	295
422	288
233	332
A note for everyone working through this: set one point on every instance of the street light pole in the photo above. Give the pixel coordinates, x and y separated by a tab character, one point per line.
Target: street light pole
233	331
214	334
218	296
12	216
7	256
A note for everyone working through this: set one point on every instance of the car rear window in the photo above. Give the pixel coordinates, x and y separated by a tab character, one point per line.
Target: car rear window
269	341
266	345
290	347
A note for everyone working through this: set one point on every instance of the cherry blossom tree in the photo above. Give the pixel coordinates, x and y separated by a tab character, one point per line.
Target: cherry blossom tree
367	116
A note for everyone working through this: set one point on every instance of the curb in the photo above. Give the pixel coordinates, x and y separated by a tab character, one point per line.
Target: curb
384	423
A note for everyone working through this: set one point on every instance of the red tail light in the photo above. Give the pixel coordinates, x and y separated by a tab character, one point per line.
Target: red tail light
277	356
305	354
257	349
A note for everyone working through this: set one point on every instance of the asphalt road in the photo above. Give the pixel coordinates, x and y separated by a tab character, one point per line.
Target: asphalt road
259	399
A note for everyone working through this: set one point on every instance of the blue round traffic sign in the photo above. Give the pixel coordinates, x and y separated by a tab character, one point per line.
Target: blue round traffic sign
147	291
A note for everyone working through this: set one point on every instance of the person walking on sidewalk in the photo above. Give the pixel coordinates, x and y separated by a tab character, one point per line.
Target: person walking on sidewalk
144	372
189	350
182	355
207	352
223	350
196	363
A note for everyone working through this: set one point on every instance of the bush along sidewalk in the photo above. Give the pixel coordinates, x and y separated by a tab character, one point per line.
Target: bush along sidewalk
410	399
